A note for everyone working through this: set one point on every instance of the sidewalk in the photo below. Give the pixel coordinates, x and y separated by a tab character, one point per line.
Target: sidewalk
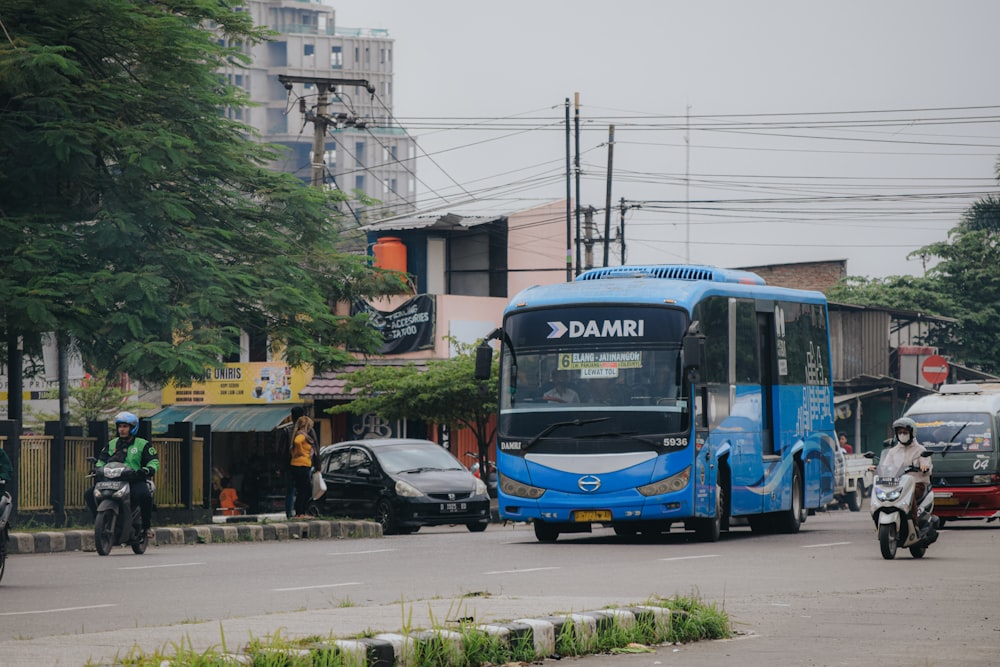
250	528
243	531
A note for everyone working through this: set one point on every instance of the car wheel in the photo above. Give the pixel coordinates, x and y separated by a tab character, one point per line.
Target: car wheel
386	517
477	526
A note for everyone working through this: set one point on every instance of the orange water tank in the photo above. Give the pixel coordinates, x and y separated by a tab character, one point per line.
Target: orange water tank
390	253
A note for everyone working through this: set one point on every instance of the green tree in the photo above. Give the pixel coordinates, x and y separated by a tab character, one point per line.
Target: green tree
136	216
963	284
446	392
969	275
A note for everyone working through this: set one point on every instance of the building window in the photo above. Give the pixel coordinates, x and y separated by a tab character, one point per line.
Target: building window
382	57
359	153
359	182
336	57
308	49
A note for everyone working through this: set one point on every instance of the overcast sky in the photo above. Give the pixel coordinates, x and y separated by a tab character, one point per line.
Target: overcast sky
746	132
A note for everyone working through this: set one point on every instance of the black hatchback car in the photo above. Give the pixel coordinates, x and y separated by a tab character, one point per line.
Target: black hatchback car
402	483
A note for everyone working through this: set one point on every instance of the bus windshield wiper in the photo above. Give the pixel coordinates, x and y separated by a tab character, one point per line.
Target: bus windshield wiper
552	427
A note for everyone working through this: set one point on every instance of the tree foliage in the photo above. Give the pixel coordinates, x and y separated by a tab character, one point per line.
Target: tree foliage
137	216
445	392
963	284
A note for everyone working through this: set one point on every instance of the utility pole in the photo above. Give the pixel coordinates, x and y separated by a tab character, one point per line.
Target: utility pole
569	200
576	122
621	230
588	238
607	196
320	119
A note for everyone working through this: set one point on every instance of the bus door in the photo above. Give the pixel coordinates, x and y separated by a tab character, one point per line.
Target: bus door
765	354
749	422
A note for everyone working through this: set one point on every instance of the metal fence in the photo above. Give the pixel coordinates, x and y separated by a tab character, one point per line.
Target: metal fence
34	472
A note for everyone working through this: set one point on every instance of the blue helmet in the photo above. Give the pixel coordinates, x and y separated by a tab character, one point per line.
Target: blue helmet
130	419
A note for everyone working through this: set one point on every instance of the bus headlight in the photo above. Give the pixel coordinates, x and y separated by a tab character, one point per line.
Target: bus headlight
668	485
518	489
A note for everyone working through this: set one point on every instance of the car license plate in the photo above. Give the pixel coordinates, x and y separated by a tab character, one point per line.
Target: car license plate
946	501
447	508
100	486
586	516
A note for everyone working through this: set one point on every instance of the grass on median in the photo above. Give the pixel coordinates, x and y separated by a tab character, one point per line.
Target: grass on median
690	620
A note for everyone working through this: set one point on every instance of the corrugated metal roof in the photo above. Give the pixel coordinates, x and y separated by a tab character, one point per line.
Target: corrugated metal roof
223	418
446	222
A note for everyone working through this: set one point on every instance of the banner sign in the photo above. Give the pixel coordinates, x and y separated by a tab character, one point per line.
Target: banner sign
405	329
266	382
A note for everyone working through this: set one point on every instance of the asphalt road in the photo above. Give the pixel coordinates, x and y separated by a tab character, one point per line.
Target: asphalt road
822	597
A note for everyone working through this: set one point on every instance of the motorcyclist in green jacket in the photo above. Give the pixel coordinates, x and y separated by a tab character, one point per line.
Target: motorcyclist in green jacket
139	456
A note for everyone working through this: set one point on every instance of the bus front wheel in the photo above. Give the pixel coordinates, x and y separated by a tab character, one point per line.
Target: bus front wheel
709	530
545	532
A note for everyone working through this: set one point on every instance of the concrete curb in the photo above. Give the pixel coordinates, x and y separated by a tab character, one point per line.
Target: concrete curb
83	540
387	649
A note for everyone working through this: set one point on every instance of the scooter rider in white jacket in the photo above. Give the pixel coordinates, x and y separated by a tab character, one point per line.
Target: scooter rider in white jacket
910	450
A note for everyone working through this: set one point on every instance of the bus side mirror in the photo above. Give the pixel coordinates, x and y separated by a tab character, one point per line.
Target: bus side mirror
484	361
691	351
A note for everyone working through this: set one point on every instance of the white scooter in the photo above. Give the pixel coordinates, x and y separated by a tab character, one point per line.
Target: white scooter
891	500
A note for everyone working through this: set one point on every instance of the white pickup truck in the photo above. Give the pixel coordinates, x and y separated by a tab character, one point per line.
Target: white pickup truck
852	479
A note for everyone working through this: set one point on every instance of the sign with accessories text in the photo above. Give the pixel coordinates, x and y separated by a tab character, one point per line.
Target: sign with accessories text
408	328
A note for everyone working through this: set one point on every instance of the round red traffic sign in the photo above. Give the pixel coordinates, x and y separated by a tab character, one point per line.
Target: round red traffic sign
934	369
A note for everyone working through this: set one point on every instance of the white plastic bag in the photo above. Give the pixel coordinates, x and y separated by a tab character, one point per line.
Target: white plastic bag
318	484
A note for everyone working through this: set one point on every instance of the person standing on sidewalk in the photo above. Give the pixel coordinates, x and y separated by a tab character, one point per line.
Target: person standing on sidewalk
283	453
303	456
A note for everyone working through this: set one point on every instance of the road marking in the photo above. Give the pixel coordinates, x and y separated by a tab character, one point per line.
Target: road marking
357	553
828	544
693	557
309	588
530	569
54	611
153	567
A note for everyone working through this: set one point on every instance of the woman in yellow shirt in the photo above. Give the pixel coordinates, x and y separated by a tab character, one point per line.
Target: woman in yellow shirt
303	448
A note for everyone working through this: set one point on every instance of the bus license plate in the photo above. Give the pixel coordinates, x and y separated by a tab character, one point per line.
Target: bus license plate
587	516
447	508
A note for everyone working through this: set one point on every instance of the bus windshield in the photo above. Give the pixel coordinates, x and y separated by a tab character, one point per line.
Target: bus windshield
623	381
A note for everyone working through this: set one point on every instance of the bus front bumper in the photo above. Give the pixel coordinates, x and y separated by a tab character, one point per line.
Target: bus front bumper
555	506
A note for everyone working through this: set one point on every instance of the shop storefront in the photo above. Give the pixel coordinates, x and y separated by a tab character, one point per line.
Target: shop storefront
243	404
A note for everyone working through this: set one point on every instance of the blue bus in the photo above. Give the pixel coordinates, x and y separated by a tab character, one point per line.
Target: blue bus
638	397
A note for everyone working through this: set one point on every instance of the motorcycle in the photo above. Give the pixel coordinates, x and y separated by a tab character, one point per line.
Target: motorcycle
6	505
117	521
891	501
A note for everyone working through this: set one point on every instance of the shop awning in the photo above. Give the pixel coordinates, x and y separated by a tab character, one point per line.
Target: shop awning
844	398
223	418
